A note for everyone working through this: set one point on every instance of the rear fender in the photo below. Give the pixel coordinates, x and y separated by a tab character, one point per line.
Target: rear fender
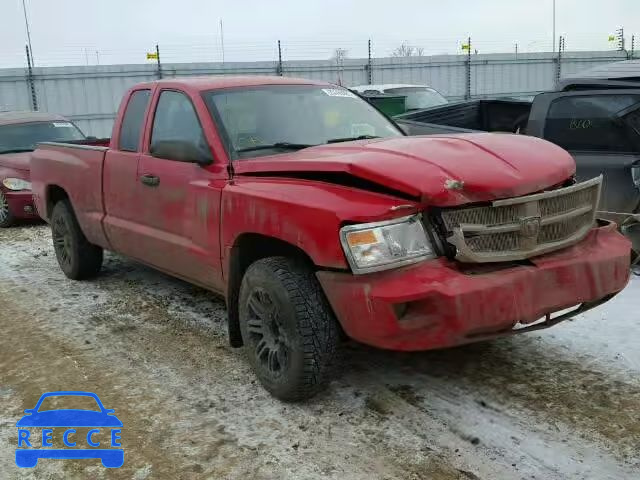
76	170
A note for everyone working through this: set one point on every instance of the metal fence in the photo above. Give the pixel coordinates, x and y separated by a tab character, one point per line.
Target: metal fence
89	95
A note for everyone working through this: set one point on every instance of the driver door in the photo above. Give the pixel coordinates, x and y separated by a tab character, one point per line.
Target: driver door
178	199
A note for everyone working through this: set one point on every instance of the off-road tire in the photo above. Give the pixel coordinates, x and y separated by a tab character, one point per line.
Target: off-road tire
77	258
7	218
309	330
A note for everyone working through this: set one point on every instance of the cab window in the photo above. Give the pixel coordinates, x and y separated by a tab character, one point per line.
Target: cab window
133	120
176	121
590	123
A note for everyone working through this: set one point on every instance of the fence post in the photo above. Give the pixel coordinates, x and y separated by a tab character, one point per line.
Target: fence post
559	59
279	69
467	94
633	45
30	81
620	37
158	60
370	66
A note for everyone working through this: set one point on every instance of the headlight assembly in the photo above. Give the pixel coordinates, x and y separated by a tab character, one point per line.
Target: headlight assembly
16	184
371	247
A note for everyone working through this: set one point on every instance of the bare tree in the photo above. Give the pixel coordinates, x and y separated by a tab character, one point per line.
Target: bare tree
406	50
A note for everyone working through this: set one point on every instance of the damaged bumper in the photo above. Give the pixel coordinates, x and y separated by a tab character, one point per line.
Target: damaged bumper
440	303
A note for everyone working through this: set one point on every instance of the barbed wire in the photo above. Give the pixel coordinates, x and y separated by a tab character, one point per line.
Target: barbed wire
209	49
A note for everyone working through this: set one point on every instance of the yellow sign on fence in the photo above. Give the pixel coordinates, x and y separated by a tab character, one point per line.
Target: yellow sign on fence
612	38
152	56
466	46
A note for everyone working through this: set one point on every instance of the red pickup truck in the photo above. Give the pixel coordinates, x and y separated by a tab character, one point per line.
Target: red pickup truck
316	217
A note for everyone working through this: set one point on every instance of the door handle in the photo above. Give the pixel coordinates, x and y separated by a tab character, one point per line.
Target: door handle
150	180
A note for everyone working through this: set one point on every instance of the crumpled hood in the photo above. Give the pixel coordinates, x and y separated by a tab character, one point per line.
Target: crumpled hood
442	170
17	161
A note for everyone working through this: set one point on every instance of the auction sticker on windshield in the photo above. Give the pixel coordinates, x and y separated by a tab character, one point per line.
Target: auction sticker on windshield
338	92
54	430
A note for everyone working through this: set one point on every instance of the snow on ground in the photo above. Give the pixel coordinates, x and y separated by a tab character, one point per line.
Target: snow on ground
555	404
607	337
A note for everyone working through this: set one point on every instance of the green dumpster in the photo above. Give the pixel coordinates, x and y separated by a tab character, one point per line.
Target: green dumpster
388	104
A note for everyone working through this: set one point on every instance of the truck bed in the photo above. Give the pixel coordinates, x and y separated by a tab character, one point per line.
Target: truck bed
77	169
475	115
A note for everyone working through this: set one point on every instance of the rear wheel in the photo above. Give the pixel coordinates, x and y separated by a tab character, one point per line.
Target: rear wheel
288	329
77	258
6	217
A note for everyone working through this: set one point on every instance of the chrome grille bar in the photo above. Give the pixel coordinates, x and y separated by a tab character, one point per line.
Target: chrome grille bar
522	227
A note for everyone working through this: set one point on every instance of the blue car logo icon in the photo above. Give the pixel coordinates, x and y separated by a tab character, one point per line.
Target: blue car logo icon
101	418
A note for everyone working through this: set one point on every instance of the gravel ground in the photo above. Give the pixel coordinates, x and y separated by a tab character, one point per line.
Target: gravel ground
562	403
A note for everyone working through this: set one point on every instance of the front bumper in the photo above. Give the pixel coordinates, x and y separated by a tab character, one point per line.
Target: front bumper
21	203
440	303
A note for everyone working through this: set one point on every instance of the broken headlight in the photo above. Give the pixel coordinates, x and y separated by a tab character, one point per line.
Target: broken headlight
371	247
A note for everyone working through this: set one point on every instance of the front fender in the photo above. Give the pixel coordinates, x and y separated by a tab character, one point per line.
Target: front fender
306	214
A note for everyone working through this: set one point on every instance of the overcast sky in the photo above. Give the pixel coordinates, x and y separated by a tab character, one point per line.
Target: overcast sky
70	32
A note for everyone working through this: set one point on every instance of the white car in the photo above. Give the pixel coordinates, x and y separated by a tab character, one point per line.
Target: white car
418	96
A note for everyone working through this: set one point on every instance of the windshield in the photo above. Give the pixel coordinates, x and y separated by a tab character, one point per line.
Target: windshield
273	119
22	137
418	97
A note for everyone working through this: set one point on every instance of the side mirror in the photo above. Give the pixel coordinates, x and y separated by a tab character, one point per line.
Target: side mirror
29	410
109	411
181	151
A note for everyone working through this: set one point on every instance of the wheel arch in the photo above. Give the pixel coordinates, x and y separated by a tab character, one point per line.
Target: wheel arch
247	248
53	195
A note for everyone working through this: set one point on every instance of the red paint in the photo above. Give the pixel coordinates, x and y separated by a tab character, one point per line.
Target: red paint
16	165
447	306
79	174
20	204
492	166
188	225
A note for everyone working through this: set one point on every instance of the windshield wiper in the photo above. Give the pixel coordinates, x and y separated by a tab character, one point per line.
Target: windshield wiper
277	145
16	150
352	139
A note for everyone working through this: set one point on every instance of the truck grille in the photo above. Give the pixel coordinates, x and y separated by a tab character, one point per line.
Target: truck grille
523	227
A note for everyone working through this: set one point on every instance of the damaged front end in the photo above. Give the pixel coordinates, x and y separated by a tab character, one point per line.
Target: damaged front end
498	268
523	227
442	302
629	226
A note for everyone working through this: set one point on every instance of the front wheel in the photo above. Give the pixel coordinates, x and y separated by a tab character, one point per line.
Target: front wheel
289	332
77	258
6	217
